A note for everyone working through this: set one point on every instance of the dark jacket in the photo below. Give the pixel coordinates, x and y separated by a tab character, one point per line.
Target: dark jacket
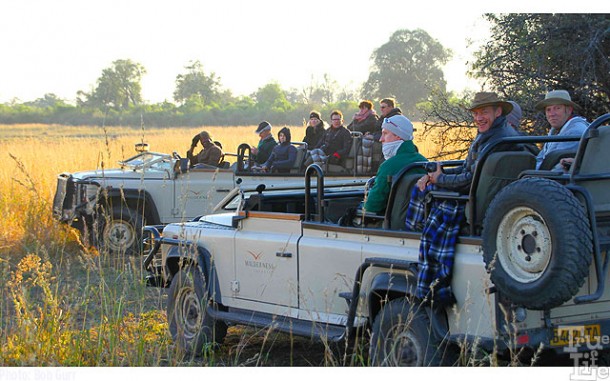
313	135
336	143
459	178
265	147
211	154
283	156
394	111
370	125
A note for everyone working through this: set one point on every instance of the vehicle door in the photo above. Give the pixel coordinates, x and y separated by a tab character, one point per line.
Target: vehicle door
198	191
266	262
329	256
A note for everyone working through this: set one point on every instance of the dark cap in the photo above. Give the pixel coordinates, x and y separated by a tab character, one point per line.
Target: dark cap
263	126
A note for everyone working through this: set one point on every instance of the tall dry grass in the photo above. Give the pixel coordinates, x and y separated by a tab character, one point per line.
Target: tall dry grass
63	303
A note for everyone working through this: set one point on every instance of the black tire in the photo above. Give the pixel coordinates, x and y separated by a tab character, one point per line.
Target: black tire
190	325
537	243
120	231
402	336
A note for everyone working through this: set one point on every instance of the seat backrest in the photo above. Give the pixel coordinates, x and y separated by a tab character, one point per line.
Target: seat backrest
499	170
553	157
596	161
400	201
350	160
300	159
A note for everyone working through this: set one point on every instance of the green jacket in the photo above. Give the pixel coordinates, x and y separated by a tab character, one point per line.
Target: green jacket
378	195
265	147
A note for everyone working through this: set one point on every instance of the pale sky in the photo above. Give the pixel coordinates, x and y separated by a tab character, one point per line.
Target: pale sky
62	46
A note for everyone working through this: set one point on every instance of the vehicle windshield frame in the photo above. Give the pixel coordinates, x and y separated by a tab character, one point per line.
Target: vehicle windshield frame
146	160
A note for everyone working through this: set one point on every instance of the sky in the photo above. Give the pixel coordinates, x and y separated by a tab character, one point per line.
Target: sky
62	46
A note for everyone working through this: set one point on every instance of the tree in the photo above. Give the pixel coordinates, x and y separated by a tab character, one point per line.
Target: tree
271	97
196	84
118	87
530	54
407	67
49	100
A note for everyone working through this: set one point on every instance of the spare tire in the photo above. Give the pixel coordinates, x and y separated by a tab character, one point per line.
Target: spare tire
537	243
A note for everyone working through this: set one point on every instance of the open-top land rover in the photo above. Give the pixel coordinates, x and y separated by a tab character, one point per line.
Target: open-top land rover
530	268
111	206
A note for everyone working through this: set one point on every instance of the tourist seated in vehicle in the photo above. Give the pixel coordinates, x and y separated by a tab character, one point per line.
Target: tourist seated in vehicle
559	109
283	156
315	130
335	144
441	227
387	108
211	154
365	120
260	154
398	151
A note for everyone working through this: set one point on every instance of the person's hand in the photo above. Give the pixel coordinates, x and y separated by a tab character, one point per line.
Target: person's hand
195	140
422	183
566	163
429	178
253	150
433	176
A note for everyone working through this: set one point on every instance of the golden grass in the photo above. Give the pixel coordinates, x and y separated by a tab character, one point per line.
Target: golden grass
63	303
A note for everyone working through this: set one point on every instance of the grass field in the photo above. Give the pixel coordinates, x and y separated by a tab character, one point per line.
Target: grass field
63	303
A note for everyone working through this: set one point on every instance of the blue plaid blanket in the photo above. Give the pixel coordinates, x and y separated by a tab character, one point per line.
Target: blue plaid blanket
437	245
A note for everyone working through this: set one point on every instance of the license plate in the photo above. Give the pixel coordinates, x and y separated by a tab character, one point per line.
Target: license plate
570	335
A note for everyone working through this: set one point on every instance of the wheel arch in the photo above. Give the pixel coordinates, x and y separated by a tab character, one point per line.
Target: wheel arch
389	285
134	199
177	258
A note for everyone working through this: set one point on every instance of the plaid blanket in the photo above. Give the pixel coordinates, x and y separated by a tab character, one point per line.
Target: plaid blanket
437	244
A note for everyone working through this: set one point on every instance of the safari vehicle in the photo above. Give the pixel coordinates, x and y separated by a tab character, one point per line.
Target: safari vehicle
530	266
111	206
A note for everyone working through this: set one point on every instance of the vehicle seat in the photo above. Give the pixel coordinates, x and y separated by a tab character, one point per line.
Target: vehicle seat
553	157
596	161
499	170
297	167
398	201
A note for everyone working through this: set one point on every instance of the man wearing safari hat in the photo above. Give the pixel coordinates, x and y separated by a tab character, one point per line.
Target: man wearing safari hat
559	110
441	227
211	154
489	115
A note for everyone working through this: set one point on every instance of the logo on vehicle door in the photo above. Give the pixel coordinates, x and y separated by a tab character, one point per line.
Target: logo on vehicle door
256	261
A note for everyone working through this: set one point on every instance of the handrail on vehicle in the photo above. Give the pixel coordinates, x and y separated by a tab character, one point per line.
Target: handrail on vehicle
241	153
314	168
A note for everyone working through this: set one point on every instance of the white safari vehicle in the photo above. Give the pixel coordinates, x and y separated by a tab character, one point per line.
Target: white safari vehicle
111	206
530	266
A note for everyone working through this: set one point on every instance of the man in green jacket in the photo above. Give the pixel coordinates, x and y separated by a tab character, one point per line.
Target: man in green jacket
262	151
399	151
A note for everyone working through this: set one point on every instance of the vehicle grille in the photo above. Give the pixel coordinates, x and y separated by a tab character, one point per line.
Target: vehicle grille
64	195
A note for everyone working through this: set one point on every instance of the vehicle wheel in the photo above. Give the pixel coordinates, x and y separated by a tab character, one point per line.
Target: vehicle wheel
537	243
402	337
121	231
189	324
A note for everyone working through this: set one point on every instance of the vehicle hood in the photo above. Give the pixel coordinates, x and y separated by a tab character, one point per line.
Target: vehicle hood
118	173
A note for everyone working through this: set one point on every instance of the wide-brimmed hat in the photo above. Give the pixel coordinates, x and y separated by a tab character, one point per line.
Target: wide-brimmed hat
483	99
556	97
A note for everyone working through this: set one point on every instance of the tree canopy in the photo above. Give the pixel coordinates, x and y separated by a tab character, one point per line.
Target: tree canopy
196	84
408	67
530	54
118	87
